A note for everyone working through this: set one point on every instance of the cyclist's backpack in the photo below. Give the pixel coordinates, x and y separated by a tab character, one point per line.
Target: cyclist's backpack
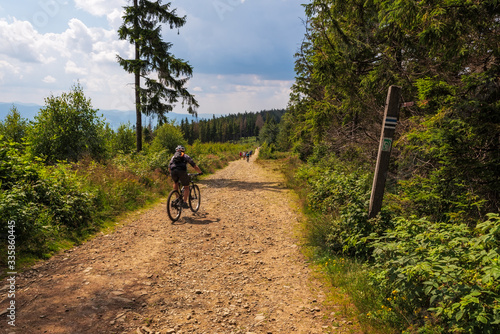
178	157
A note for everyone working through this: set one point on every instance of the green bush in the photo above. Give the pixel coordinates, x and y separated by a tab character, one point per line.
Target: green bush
67	129
446	273
124	139
340	202
124	183
14	127
44	201
167	137
266	151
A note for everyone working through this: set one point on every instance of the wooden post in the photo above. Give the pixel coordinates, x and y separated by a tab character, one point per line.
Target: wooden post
391	116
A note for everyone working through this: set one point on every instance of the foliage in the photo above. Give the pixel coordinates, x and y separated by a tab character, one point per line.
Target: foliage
271	152
67	129
167	137
213	156
456	148
269	132
419	276
44	201
124	139
354	278
338	87
340	201
124	183
142	28
353	51
447	273
14	128
444	164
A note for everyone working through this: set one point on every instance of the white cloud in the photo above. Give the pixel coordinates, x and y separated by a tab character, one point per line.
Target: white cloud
19	40
57	60
49	79
78	37
99	7
7	70
115	18
112	9
229	94
72	68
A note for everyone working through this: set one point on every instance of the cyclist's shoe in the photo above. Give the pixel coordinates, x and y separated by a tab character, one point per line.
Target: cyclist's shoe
185	205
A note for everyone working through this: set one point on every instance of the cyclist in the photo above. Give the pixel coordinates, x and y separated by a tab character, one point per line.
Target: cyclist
178	170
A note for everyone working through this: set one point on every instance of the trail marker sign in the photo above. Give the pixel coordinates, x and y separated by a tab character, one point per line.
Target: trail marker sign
391	116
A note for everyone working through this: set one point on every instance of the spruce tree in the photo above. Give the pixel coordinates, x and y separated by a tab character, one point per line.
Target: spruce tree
142	28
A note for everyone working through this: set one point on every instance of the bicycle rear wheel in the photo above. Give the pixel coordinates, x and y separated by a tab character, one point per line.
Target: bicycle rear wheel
194	198
174	205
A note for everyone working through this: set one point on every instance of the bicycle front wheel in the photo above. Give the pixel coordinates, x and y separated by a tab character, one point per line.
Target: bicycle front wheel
174	205
194	198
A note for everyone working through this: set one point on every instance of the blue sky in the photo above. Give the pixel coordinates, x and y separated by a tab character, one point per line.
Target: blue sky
241	51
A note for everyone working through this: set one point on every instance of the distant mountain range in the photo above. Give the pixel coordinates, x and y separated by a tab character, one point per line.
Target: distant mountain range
114	117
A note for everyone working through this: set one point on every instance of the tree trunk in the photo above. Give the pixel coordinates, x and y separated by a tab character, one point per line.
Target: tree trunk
138	112
138	108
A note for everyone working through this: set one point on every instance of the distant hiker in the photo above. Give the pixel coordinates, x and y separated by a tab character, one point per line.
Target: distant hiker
178	170
248	156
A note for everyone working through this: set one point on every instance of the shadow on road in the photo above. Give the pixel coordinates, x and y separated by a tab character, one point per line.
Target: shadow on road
198	218
231	184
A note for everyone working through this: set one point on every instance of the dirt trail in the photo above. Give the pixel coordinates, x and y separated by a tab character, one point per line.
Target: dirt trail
233	268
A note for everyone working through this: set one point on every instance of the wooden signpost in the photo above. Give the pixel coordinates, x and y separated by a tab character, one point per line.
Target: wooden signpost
391	116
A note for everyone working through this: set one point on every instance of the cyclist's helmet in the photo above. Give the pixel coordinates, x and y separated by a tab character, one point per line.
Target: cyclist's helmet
180	148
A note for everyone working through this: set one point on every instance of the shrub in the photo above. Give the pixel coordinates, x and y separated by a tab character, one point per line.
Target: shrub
340	202
447	273
44	201
124	139
67	129
14	127
167	137
267	151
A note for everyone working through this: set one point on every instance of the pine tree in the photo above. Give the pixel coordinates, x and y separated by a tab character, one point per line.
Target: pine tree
142	28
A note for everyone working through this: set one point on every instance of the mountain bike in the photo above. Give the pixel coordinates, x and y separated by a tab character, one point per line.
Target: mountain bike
175	199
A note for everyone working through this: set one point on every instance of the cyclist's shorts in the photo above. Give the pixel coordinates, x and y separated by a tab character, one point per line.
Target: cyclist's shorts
181	175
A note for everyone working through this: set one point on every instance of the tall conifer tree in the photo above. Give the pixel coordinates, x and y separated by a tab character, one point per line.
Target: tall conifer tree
142	28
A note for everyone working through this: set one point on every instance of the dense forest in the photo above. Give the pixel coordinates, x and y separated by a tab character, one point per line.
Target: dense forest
429	261
231	127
